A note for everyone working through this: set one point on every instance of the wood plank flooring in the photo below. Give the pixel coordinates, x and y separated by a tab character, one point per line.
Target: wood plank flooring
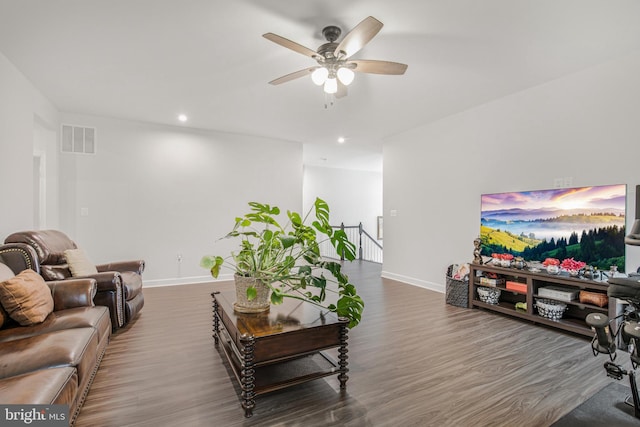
414	361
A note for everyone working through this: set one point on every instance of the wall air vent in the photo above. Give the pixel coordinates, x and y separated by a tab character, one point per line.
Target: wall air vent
78	139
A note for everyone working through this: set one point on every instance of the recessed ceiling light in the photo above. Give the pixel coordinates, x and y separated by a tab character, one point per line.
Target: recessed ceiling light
182	118
341	140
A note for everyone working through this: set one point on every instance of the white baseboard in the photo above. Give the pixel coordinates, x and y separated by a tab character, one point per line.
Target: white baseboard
438	287
186	280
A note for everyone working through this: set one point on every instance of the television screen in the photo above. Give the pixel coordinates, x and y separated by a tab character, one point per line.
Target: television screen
584	223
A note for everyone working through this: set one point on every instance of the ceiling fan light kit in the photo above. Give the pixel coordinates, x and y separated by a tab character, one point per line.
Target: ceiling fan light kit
319	76
331	85
335	71
323	75
345	75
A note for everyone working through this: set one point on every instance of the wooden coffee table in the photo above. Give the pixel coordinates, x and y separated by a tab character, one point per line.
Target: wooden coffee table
279	348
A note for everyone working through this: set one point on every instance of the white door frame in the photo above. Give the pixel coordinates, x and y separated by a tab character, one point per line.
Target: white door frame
40	189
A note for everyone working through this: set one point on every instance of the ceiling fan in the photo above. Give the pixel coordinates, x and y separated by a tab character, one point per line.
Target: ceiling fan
335	69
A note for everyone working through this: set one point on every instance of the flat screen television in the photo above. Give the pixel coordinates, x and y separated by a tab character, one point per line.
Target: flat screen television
584	223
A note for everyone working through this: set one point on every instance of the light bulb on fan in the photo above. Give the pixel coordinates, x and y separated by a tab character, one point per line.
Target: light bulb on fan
319	76
331	85
345	75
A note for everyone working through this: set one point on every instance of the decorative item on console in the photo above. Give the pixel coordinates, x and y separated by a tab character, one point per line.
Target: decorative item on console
477	251
519	263
572	266
503	260
552	265
591	272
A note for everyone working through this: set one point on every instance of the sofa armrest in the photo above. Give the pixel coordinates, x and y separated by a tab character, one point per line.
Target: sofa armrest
107	281
72	293
136	266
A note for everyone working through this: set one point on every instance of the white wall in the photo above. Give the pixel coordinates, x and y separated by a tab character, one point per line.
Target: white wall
156	192
45	146
353	196
21	105
585	126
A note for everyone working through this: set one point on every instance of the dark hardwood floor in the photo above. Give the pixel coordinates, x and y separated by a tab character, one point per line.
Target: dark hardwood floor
414	361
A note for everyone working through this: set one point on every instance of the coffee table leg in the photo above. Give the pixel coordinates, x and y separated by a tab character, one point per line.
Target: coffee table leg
216	318
247	379
342	354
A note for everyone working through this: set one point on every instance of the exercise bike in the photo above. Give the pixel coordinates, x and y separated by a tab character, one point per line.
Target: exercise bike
627	333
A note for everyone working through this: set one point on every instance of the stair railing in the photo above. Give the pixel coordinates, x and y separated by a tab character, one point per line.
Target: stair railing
368	248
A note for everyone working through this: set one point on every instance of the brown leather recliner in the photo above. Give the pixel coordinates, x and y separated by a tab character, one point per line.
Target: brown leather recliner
119	283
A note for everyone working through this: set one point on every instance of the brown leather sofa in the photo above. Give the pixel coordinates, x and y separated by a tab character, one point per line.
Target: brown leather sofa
119	283
54	361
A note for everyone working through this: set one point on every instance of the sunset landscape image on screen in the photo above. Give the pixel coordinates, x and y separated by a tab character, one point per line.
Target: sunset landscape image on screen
585	223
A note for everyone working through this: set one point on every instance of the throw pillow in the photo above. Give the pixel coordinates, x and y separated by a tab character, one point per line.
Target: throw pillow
79	264
3	316
5	274
26	298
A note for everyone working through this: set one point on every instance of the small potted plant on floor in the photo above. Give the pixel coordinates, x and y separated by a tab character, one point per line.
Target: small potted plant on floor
274	262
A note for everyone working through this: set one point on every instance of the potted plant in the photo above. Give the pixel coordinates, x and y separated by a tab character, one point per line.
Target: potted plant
285	261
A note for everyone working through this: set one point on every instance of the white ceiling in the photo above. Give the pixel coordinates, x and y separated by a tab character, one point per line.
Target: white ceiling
150	60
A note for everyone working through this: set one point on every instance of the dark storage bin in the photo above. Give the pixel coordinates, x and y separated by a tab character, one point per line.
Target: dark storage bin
457	291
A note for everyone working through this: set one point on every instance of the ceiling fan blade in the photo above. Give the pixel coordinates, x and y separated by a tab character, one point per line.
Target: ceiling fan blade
290	44
358	37
293	76
343	90
378	67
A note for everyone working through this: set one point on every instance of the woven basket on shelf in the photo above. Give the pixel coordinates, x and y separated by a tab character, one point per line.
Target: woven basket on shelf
550	309
489	295
457	291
